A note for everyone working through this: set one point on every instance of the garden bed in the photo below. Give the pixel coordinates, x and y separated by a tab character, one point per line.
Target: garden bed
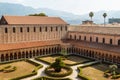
94	72
70	60
22	69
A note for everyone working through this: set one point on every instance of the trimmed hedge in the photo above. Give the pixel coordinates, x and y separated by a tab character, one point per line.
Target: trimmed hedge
69	71
38	59
81	76
11	61
107	74
48	78
116	76
34	72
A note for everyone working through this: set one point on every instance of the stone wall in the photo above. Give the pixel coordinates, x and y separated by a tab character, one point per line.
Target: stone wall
36	33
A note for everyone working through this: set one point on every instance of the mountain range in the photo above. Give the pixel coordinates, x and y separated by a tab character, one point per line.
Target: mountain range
18	9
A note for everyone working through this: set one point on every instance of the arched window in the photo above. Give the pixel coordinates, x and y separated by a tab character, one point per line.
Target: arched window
110	41
118	42
103	40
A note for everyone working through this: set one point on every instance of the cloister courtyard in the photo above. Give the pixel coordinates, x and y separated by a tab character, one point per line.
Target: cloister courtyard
24	69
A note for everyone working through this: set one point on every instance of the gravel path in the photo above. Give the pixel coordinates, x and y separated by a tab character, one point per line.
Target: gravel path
73	76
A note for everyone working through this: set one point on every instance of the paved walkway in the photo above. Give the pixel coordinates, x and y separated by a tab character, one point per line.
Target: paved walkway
73	76
40	71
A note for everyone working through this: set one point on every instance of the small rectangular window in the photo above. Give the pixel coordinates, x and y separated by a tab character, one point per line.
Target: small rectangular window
85	38
6	30
61	28
34	29
46	29
66	28
21	29
97	39
56	28
28	29
13	29
40	29
51	29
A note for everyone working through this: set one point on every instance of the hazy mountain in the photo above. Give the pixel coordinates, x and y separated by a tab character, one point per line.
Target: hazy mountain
17	9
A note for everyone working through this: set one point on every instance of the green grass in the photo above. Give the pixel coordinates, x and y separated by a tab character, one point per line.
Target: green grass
96	72
70	60
22	68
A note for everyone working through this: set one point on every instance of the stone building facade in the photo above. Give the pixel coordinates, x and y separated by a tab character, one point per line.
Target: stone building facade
24	37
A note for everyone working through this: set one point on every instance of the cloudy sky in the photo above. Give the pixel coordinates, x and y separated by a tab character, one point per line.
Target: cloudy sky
73	6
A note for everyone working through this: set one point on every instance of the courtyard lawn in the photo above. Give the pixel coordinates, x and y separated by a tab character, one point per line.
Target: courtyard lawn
70	60
23	68
96	72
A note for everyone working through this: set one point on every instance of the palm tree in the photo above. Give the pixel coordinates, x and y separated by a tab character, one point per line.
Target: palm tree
104	16
91	14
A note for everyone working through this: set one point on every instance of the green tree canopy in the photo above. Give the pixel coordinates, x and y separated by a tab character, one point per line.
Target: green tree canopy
57	65
40	14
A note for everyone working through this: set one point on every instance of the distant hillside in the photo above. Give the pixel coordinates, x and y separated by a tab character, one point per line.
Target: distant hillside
17	9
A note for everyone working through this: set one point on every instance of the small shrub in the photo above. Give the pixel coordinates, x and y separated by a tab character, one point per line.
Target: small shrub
48	78
69	71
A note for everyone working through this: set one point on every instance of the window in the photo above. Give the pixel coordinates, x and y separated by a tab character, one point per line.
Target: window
70	36
75	37
85	38
6	30
34	29
118	42
40	29
61	28
79	37
110	41
56	28
46	29
51	29
28	29
13	29
103	40
90	39
96	39
21	29
66	28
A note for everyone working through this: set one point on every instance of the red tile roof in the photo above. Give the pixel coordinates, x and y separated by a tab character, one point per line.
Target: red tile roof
33	20
105	47
13	46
